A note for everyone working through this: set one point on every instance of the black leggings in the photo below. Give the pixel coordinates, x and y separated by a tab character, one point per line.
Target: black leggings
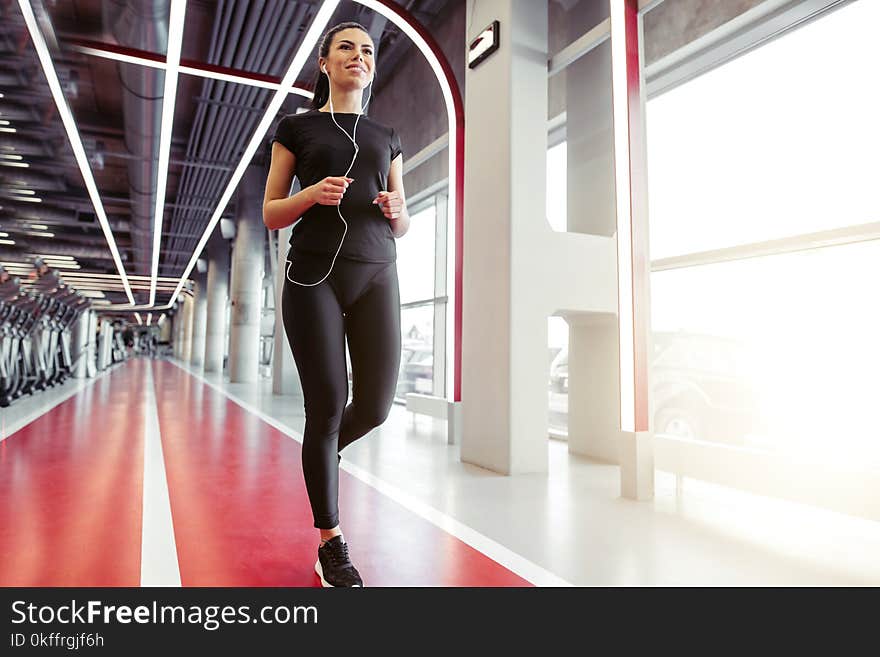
359	301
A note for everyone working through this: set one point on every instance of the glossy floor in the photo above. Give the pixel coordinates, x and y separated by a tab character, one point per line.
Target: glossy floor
155	472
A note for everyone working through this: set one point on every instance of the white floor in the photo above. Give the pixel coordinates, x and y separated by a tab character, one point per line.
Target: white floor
573	523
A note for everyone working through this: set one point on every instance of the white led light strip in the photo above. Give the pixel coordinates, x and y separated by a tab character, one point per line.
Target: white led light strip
189	70
175	42
73	135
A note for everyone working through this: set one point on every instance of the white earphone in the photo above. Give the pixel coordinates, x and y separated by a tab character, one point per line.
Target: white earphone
352	138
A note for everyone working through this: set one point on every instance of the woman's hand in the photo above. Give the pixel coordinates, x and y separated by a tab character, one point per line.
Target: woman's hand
390	203
330	190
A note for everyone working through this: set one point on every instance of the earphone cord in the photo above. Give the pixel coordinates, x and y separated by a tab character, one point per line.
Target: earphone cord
353	139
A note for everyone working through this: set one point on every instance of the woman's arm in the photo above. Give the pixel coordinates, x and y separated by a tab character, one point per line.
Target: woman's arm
279	210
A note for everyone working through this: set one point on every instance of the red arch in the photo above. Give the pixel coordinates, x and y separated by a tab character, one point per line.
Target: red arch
458	147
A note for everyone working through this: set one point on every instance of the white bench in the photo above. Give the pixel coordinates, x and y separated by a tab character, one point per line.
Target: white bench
438	407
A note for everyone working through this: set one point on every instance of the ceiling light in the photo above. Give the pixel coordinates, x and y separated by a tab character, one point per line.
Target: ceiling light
4	234
61	265
9	156
39	226
138	317
53	257
73	135
35	199
128	306
7	130
23	165
197	71
166	279
7	241
172	62
149	318
35	234
4	122
22	191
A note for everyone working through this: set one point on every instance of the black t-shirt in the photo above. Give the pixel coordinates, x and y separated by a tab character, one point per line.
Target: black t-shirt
322	150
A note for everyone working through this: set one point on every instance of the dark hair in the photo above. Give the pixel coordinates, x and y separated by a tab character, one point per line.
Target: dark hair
322	82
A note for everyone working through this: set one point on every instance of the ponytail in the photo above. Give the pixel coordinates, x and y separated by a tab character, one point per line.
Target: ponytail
322	90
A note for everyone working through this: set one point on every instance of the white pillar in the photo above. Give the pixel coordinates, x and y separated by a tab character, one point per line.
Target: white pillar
177	319
247	280
593	387
199	322
188	304
504	327
218	286
165	330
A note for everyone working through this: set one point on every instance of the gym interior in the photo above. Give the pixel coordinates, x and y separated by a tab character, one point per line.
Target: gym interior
638	298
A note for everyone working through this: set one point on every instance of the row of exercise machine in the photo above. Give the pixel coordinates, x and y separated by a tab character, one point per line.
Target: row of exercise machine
38	316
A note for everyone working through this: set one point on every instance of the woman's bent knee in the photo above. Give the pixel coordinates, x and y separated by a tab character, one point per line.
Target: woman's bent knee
374	416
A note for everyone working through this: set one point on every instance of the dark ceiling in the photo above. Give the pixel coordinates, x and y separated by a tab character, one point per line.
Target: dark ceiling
117	109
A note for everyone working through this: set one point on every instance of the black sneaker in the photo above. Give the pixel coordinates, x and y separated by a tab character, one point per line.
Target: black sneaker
334	566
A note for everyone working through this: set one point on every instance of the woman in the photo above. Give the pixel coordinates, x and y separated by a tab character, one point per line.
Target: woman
341	273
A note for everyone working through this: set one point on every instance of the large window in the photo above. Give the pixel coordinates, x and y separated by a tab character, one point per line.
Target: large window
416	262
780	141
415	257
782	349
779	351
417	355
775	351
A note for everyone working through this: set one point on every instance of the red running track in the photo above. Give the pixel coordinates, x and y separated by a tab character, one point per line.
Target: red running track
242	516
71	487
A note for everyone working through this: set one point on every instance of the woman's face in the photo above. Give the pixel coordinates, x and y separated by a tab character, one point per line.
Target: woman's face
350	61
